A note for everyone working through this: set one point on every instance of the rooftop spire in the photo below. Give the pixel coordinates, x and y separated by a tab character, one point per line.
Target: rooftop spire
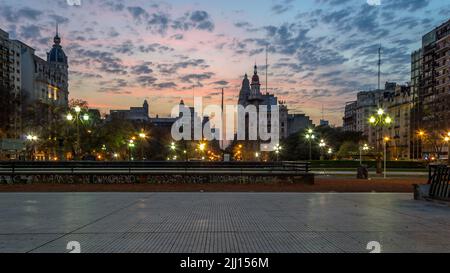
57	40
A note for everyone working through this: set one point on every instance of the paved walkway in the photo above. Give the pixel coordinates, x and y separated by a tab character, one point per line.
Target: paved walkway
221	222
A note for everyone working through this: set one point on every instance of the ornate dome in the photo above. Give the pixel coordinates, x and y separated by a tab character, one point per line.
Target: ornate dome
57	54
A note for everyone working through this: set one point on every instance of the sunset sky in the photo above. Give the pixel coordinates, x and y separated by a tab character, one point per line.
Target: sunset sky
321	52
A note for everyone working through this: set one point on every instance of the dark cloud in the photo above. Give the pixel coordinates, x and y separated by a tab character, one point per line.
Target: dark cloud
13	15
165	85
160	21
139	14
194	20
141	69
409	5
172	68
223	83
196	78
146	81
30	32
282	7
105	61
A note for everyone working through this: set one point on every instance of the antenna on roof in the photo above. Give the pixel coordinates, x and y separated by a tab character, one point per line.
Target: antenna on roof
267	69
379	67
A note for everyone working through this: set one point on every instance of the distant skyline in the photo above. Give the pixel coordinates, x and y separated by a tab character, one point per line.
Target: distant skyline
321	52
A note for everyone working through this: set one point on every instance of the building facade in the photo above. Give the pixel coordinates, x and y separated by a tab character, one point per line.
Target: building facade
416	74
349	119
33	82
398	105
431	80
135	114
250	94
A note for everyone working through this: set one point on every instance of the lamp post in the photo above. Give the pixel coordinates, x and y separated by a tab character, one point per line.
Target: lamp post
78	118
365	148
386	140
421	134
378	121
202	148
32	139
131	145
447	140
310	137
322	145
142	137
278	149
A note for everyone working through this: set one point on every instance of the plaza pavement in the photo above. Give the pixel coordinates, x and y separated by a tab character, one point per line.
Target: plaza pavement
221	222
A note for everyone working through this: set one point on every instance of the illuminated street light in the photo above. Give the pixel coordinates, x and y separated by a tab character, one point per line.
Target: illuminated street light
278	149
310	137
322	143
202	146
172	146
447	139
69	117
365	148
77	109
388	120
142	135
386	140
378	121
85	117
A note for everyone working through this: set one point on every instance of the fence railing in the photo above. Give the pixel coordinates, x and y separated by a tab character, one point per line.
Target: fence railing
154	167
439	180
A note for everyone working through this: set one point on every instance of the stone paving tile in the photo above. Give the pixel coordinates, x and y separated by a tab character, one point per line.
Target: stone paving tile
221	222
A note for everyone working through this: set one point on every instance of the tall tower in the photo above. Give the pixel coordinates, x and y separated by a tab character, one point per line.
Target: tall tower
255	93
59	81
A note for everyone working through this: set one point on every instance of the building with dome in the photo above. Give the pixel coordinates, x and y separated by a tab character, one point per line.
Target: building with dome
45	81
250	94
34	81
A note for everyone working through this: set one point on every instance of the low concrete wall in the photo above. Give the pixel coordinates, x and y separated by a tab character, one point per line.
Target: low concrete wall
154	179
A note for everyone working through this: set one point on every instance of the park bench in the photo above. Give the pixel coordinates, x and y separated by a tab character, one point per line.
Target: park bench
438	181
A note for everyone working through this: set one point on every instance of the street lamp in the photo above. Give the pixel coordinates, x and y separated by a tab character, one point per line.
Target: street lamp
386	140
78	118
131	145
447	139
278	149
322	145
379	121
310	137
364	148
32	139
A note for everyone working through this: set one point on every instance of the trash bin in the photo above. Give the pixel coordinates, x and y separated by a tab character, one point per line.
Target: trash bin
363	172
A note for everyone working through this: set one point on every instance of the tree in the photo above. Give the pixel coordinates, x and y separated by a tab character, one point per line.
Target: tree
348	150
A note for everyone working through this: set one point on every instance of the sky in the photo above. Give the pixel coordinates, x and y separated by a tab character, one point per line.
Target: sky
320	52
